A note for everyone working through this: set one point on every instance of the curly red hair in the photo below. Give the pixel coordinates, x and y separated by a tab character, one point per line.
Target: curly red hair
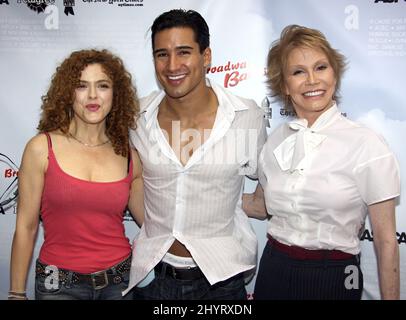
57	103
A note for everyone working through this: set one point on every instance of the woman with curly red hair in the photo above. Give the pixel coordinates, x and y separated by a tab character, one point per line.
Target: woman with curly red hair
78	175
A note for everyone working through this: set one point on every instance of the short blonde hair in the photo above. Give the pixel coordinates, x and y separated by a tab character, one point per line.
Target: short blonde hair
294	36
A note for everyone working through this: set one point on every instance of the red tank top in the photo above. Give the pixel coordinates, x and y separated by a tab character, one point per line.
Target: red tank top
83	220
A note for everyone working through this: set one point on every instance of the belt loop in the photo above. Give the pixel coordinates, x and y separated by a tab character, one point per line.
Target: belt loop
163	270
326	257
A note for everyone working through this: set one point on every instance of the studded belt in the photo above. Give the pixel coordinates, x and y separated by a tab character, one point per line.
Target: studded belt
98	280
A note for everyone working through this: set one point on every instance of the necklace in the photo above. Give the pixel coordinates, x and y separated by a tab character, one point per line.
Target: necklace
87	144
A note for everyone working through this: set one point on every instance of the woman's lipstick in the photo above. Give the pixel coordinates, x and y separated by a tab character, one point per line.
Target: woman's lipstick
92	107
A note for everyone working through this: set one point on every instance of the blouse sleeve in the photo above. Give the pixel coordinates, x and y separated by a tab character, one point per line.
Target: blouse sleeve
260	141
377	171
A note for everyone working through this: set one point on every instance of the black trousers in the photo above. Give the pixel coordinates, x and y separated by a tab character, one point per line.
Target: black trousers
282	278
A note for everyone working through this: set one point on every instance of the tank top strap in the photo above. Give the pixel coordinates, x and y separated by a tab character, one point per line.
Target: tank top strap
49	140
130	163
51	156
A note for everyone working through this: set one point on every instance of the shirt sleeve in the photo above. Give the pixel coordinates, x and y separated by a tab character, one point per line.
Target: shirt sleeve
377	172
261	138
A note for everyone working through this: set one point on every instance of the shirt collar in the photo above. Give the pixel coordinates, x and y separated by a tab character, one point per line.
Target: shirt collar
323	121
149	106
292	153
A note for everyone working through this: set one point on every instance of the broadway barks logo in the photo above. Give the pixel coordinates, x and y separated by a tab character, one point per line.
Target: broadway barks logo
8	184
234	72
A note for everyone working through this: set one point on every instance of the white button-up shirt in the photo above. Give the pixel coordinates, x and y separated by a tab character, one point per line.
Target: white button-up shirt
318	181
199	204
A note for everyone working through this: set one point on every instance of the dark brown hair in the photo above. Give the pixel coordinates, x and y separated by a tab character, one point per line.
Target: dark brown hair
180	18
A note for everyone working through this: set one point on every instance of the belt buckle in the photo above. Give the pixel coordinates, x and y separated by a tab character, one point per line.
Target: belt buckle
94	275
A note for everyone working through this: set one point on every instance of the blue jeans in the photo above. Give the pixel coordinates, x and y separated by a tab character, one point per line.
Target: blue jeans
81	291
165	287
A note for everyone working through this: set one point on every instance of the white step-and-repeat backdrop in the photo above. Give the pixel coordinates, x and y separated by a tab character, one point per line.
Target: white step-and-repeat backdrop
36	35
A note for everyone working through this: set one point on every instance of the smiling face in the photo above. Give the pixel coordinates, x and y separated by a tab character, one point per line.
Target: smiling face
94	95
179	65
310	82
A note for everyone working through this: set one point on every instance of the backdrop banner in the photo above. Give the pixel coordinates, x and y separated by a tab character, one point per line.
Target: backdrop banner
36	36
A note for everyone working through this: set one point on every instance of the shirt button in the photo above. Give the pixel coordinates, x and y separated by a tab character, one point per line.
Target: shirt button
293	205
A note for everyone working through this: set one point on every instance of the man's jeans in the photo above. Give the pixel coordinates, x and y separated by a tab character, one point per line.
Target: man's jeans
165	287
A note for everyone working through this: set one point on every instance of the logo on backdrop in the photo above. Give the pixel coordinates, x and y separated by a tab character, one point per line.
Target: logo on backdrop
69	4
235	72
127	3
291	113
37	5
267	108
8	184
387	1
368	235
286	112
40	6
119	3
4	2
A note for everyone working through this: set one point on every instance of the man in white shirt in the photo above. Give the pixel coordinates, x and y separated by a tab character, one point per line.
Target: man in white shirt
196	142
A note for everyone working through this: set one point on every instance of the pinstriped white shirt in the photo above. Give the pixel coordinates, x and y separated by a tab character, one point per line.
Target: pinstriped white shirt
199	204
